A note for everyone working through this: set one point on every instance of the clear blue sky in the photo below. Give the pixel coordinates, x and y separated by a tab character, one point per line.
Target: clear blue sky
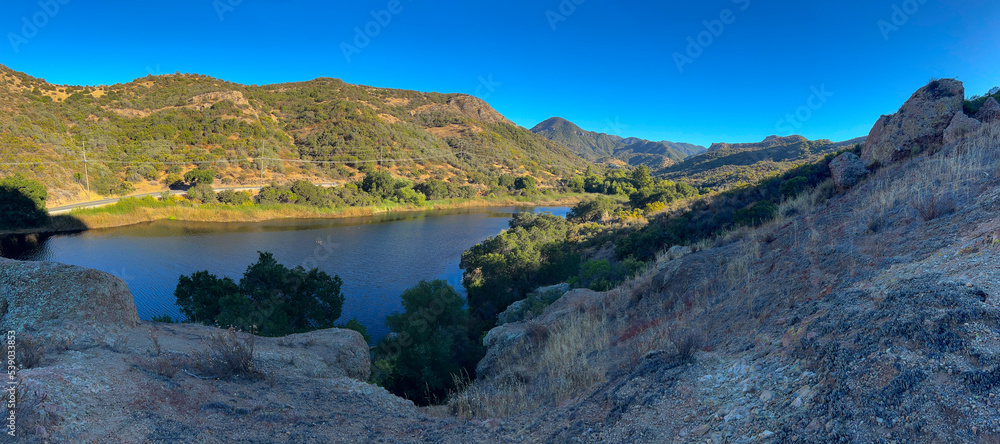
607	65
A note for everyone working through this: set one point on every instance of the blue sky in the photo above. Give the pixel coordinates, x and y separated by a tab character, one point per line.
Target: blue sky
608	66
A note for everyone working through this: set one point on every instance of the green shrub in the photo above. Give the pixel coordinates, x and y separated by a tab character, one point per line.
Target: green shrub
200	176
203	193
22	203
237	198
270	297
429	345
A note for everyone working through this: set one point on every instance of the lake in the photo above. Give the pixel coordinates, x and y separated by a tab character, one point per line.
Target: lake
377	257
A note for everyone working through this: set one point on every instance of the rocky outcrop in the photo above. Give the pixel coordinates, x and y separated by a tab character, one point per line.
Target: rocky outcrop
989	112
918	126
678	251
961	125
477	109
509	341
35	293
847	169
330	353
541	297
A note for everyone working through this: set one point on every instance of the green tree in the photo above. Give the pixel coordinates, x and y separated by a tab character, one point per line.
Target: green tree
271	298
22	202
526	183
593	210
203	193
641	178
199	176
379	184
430	344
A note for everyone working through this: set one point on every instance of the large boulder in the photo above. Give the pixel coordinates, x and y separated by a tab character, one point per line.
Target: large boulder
990	111
329	353
918	125
961	125
36	293
847	169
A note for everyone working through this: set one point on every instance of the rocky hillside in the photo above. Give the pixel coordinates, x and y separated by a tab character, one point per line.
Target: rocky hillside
600	147
726	165
138	133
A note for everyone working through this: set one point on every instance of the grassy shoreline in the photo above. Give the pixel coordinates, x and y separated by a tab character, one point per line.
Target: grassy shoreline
114	216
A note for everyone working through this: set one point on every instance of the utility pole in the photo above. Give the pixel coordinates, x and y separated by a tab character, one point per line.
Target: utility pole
86	169
379	163
261	161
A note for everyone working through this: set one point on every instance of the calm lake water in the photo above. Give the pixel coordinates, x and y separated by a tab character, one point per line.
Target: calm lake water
377	257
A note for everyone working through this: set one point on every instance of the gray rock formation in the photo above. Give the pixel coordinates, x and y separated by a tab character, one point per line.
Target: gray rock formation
678	251
961	125
847	169
918	126
543	296
989	112
514	339
329	353
35	293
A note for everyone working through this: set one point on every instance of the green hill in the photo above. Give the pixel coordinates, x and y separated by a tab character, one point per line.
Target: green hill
726	165
139	134
600	147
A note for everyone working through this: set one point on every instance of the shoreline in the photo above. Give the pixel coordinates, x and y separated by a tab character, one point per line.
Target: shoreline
106	217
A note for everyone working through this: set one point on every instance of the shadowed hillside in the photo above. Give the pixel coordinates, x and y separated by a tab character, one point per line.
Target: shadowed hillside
600	147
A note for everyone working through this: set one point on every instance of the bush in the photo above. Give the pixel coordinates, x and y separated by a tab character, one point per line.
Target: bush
22	203
237	198
229	354
277	300
593	210
200	176
202	193
756	214
430	344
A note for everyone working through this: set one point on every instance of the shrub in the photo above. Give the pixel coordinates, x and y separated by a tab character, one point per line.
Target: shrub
237	198
202	193
22	202
277	300
593	210
430	344
200	176
229	354
756	214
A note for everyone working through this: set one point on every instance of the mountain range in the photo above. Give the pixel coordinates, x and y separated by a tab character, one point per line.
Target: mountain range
609	148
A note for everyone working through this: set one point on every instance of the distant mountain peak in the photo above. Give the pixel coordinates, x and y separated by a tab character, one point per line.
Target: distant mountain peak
602	147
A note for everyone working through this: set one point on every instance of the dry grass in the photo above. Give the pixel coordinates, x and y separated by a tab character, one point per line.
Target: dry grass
103	218
30	352
562	362
229	354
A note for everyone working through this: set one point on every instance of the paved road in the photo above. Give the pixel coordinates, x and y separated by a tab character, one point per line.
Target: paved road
112	200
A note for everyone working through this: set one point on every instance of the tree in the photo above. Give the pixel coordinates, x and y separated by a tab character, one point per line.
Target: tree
593	210
203	192
22	202
430	344
271	298
199	176
641	178
526	183
236	198
379	184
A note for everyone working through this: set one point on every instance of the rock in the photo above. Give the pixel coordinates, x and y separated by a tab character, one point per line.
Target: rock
677	252
961	125
847	169
918	125
508	341
989	112
542	296
34	293
328	353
